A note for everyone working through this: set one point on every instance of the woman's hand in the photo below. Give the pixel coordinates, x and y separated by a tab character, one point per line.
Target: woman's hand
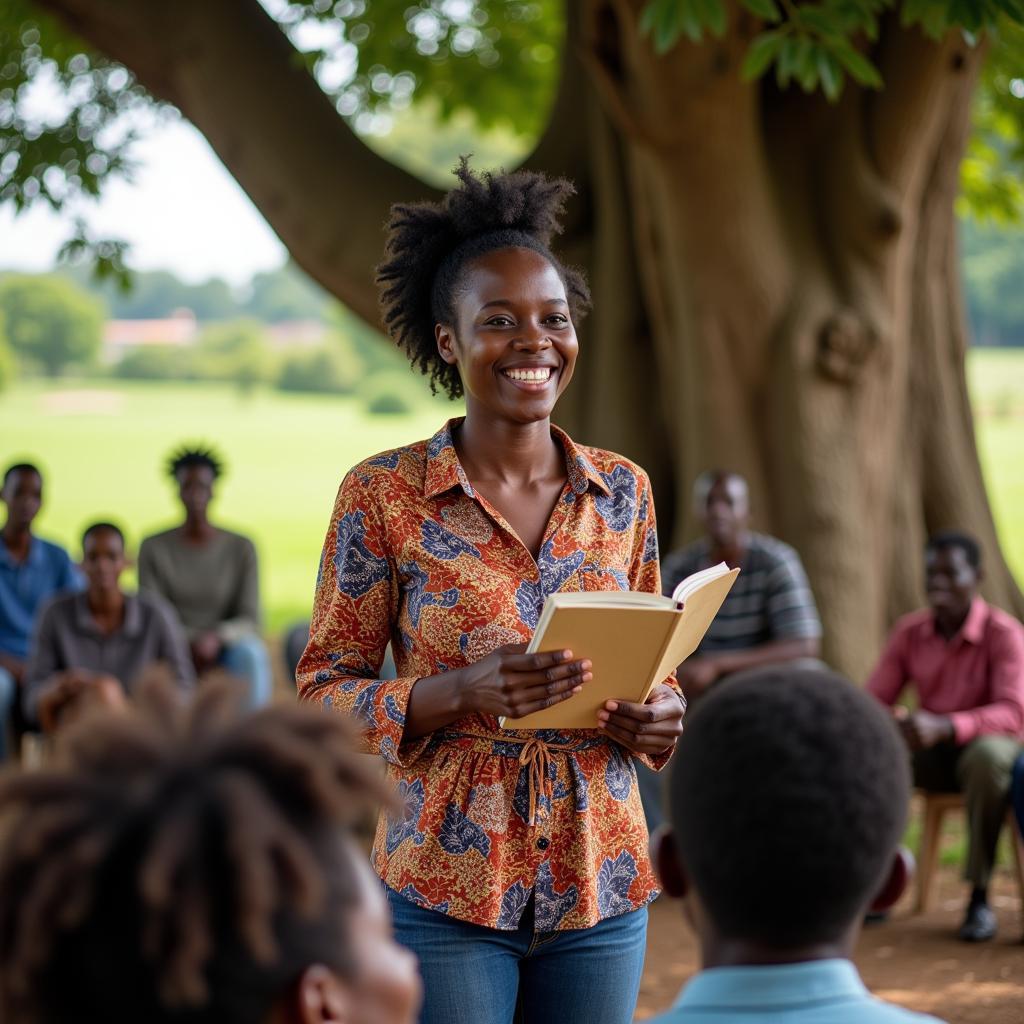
511	683
649	728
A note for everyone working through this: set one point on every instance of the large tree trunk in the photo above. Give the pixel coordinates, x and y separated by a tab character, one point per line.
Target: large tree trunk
798	262
775	278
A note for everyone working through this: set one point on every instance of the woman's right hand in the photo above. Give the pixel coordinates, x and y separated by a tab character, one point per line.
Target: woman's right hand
511	683
507	683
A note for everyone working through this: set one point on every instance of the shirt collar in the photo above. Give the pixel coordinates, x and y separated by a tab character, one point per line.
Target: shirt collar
85	623
36	555
444	471
973	629
581	470
775	985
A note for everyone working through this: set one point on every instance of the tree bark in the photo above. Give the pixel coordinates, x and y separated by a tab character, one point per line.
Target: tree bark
797	263
775	278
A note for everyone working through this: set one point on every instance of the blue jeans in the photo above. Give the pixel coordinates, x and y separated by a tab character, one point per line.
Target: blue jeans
477	975
8	695
1017	792
247	659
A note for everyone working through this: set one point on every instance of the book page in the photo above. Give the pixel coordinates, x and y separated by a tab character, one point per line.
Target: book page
700	609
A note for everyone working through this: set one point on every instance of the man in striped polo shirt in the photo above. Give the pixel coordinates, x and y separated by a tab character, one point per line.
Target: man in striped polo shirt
769	616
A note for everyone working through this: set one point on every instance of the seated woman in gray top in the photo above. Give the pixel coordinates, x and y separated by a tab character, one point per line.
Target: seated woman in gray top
92	647
210	577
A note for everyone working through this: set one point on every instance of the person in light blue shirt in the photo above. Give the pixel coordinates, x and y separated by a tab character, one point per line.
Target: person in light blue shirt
32	570
789	794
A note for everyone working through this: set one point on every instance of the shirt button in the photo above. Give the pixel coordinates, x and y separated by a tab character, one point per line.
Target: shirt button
543	843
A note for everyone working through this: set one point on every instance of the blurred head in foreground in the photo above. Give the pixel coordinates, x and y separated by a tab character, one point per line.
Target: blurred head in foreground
187	864
789	796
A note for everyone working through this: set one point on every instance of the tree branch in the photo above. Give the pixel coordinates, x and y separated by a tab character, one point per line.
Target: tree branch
901	122
233	73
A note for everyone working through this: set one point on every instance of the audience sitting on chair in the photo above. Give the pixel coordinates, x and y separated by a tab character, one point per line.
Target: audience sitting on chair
788	797
94	647
32	570
210	576
769	615
181	863
965	661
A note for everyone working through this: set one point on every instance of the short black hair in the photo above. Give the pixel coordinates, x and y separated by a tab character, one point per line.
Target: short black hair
200	455
789	795
945	539
97	527
429	244
180	863
21	467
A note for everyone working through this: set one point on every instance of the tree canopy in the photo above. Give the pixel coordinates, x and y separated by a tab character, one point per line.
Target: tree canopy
494	61
50	322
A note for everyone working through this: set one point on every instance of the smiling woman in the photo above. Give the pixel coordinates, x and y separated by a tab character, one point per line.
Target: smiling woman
518	870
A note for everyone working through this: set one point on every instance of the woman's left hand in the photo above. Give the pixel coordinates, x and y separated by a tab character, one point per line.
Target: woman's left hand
650	728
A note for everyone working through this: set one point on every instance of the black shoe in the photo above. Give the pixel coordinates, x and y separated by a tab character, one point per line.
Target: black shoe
979	925
876	917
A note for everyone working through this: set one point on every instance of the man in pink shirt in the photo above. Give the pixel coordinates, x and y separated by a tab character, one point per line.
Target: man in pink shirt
966	662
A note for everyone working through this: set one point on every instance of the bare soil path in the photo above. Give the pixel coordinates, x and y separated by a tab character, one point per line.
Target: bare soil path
914	961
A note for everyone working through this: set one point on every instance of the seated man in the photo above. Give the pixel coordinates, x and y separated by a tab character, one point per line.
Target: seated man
31	571
965	660
210	576
789	794
769	615
93	647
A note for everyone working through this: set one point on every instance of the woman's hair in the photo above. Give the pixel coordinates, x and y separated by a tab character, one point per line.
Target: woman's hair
429	245
201	455
179	863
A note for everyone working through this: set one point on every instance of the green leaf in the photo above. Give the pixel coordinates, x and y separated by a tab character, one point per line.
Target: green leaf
766	9
763	50
717	20
825	21
805	67
860	69
830	74
787	63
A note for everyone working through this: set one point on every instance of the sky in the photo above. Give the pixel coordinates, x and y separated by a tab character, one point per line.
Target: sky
182	212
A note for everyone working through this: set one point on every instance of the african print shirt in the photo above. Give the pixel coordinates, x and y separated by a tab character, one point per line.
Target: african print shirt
415	556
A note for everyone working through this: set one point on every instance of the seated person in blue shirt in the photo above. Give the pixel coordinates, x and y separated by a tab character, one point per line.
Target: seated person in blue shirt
789	794
95	647
31	571
769	616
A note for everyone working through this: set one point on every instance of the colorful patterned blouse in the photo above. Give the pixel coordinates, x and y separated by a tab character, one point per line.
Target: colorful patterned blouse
415	556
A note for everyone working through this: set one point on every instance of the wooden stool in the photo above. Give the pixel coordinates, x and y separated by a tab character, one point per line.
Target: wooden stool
936	805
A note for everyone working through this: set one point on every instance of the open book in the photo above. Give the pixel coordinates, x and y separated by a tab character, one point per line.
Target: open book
634	640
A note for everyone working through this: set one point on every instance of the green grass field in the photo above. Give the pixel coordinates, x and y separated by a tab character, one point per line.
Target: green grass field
102	445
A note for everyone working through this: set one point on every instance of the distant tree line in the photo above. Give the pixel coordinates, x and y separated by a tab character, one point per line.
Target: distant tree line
52	324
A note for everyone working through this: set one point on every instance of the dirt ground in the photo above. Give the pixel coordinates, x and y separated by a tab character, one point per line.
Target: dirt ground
914	961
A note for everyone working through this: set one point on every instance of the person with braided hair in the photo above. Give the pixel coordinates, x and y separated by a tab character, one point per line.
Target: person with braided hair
518	868
182	863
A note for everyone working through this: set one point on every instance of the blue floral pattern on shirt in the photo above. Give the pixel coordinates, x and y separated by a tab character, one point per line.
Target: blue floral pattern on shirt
357	569
614	879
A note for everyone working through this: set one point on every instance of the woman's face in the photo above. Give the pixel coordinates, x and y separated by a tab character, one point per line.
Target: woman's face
195	488
513	341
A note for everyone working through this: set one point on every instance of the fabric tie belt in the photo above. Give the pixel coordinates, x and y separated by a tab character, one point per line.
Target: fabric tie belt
534	756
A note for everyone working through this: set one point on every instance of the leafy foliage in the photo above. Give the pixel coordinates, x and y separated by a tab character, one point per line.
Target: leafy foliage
50	322
401	70
63	130
496	57
991	186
